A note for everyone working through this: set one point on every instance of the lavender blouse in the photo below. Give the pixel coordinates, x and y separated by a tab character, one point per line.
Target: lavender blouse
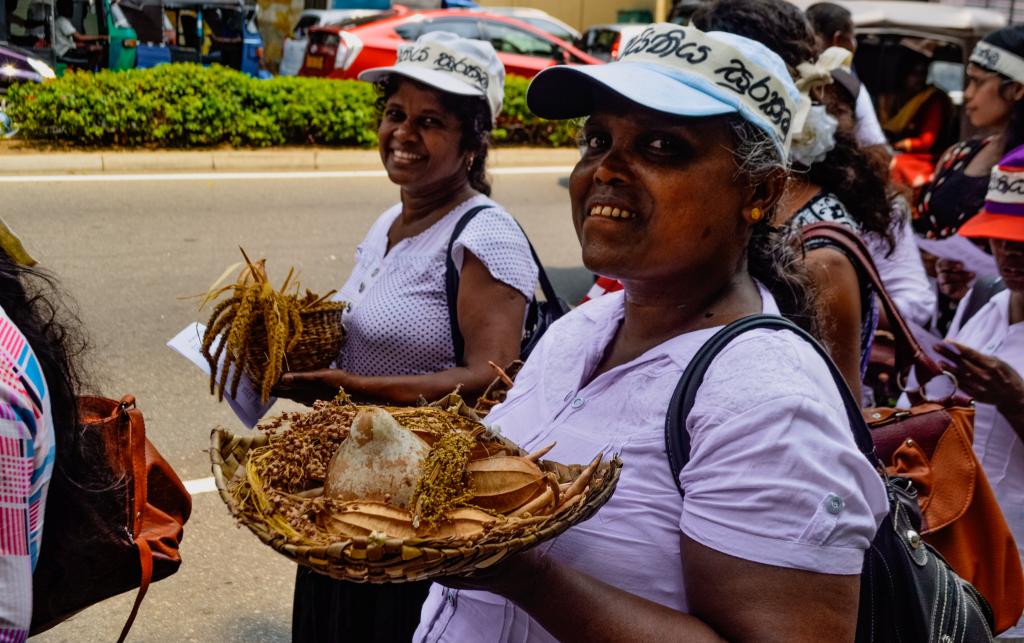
774	475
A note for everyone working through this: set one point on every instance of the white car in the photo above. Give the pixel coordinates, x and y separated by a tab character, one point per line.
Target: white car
294	51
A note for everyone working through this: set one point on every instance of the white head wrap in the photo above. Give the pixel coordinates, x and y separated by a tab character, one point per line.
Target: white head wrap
817	134
999	60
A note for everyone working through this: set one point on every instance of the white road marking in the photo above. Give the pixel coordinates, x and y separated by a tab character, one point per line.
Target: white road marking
252	176
200	485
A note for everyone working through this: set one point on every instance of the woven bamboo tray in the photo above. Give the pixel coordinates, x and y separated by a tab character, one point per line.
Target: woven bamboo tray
393	560
322	338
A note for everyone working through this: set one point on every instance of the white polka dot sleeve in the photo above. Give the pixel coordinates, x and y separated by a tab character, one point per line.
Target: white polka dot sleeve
499	243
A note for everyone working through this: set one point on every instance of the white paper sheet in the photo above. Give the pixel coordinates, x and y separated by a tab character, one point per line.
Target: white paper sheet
247	404
961	249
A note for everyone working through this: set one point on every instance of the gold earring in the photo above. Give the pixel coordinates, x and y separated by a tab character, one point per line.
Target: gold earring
756	214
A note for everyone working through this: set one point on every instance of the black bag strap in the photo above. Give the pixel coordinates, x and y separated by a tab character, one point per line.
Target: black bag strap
985	288
677	438
451	280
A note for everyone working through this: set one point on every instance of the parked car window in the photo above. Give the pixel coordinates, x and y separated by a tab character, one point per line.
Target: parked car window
409	31
304	23
554	29
600	42
510	40
465	27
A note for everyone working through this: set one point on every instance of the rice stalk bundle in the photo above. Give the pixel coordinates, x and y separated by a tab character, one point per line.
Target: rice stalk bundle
264	332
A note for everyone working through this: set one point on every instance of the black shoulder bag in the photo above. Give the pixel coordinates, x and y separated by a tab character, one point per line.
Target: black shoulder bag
907	591
539	316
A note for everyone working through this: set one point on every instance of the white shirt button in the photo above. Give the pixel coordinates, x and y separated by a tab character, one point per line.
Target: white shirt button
835	504
577	403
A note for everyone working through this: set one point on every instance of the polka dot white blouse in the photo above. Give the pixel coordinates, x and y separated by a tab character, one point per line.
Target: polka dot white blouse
397	317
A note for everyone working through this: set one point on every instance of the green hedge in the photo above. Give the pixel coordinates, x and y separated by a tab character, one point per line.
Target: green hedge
185	105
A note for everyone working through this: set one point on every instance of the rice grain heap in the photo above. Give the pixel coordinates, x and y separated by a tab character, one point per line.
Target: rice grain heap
265	332
390	494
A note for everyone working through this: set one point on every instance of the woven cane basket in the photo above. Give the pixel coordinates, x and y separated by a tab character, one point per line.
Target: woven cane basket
393	560
319	345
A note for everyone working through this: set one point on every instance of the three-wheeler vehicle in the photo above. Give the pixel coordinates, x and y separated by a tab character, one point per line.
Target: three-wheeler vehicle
29	26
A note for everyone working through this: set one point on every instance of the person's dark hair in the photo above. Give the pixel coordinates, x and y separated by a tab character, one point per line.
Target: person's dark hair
778	25
1011	39
772	258
472	112
860	183
828	18
33	301
853	176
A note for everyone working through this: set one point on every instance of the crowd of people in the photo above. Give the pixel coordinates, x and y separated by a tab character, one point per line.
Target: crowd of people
707	151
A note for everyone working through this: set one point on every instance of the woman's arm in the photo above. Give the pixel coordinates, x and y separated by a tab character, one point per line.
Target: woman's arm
839	310
491	315
729	599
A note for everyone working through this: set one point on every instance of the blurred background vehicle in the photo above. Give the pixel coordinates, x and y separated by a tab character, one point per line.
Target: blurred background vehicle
224	32
525	50
16	66
29	26
294	48
607	41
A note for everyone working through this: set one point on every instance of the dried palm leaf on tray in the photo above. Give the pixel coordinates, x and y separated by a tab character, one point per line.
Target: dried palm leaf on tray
265	332
350	491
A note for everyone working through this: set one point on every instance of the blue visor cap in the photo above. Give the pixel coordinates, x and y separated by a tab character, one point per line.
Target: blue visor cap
683	72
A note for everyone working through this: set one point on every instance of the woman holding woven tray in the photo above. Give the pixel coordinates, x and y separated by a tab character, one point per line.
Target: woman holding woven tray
683	162
438	104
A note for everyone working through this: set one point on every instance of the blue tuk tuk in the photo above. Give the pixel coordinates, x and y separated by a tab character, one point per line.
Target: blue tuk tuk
206	32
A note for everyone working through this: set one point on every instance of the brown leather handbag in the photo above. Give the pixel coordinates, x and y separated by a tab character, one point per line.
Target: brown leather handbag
114	516
931	445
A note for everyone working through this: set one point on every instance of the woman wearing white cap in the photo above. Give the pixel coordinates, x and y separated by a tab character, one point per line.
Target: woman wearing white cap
994	104
683	162
438	104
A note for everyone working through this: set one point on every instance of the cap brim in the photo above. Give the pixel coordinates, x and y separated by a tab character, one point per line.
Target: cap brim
571	91
986	225
436	79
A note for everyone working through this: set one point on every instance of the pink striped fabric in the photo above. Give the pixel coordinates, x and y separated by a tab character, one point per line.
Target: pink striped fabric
26	462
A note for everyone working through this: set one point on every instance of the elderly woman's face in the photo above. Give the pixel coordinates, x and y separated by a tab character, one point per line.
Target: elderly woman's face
657	196
420	140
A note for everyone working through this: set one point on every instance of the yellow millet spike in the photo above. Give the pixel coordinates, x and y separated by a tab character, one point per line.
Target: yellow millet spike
239	334
277	337
295	317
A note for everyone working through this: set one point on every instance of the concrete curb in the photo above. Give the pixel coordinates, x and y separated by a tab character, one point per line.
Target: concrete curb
17	162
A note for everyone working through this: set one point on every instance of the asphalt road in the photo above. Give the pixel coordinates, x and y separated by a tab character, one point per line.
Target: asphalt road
130	253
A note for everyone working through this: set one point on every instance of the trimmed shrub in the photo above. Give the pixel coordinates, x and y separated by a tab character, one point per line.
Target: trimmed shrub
186	105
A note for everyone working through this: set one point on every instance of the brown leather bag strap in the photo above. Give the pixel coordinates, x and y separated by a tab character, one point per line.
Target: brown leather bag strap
908	350
137	449
146	565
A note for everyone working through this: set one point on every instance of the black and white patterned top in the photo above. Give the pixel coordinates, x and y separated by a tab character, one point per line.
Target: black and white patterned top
826	207
397	319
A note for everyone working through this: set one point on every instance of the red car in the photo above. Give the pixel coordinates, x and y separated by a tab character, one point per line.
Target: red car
342	51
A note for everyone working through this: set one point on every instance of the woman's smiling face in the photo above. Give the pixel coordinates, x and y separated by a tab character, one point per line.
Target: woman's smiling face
657	196
420	140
